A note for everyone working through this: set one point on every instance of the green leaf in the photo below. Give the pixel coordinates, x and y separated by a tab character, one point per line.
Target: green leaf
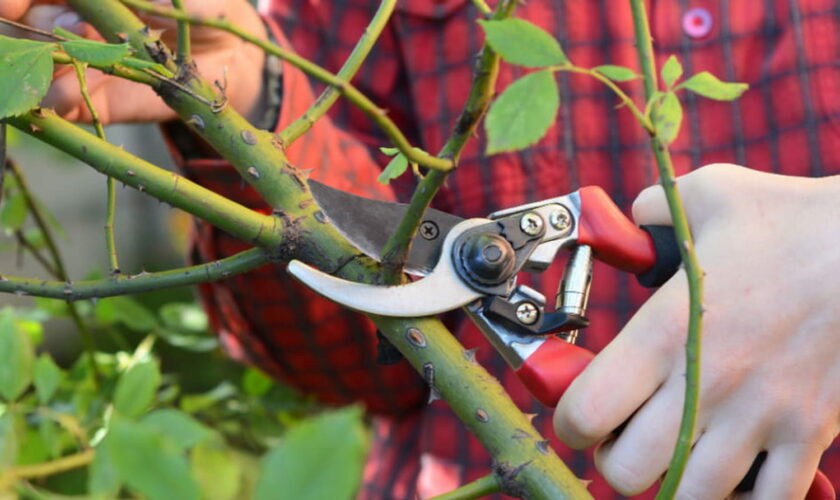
320	458
47	378
519	42
194	403
33	450
389	151
184	316
136	388
98	53
255	382
708	85
9	440
523	113
218	475
103	479
126	311
616	73
395	168
186	326
26	75
13	212
668	118
148	462
16	358
183	430
672	70
51	435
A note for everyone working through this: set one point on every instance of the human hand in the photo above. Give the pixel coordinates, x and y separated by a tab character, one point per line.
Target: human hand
771	344
118	100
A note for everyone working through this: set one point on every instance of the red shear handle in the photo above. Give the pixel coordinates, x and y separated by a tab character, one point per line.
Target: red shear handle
821	488
613	237
549	371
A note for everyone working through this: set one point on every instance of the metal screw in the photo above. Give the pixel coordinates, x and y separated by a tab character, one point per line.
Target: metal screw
560	218
527	313
531	223
429	230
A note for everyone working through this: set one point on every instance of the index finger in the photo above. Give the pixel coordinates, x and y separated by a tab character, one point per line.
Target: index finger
627	372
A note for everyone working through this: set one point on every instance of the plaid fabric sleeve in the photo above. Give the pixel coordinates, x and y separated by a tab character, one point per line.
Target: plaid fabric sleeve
265	318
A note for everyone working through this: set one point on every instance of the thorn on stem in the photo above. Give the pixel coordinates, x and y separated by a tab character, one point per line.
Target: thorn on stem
469	354
197	121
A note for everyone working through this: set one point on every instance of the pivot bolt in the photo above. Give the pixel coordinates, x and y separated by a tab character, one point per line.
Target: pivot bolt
527	313
531	223
560	218
429	230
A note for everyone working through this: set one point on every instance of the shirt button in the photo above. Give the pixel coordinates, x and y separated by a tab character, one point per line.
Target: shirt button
697	22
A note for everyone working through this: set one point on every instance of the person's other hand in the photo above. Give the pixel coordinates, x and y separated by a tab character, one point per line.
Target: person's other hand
118	100
771	344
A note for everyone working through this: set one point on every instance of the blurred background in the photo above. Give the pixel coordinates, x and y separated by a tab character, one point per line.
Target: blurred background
149	234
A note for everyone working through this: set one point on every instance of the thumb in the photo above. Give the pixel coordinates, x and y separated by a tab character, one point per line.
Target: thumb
705	192
651	207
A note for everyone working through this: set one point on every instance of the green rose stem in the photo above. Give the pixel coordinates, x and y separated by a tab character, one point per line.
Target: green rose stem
483	486
644	47
378	115
481	93
144	282
111	202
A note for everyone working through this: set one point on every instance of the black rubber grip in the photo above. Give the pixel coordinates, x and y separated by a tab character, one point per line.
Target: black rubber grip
668	258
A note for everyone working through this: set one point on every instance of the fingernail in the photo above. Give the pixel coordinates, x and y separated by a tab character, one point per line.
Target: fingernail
69	21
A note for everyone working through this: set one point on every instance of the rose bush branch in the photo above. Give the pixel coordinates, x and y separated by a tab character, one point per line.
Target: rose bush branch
144	282
481	93
534	469
111	187
351	66
166	186
344	87
481	487
694	273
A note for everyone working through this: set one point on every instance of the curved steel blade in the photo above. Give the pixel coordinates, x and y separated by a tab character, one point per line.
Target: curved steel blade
442	290
368	224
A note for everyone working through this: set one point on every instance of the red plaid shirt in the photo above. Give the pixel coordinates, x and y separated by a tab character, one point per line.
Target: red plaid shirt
788	122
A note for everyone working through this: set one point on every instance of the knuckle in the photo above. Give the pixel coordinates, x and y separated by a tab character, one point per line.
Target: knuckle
627	477
577	423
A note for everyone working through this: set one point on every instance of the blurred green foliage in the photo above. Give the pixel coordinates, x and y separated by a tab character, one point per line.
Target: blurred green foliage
164	415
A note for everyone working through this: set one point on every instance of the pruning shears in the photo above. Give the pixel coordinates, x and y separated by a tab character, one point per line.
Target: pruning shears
473	263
